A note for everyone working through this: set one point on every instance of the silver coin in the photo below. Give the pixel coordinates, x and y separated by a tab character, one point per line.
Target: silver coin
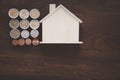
14	33
13	13
34	13
25	34
34	24
34	33
24	14
14	23
24	24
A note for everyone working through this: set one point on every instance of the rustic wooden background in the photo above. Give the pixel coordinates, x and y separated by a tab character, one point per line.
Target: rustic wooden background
97	59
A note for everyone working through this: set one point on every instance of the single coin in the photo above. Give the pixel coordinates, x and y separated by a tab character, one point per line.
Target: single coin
35	42
28	41
14	33
34	33
25	34
34	13
24	14
14	23
21	42
13	13
24	24
14	42
34	24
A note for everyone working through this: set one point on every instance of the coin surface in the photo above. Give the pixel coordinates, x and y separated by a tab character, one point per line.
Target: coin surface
34	13
35	42
21	42
14	23
13	13
14	33
28	41
34	33
24	14
34	24
24	24
14	42
25	34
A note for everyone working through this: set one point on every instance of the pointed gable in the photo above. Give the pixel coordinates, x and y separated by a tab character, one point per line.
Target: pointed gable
65	9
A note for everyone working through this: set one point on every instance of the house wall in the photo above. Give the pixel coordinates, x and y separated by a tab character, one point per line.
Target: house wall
60	27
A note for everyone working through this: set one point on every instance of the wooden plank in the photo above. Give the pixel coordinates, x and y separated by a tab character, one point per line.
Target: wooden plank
97	59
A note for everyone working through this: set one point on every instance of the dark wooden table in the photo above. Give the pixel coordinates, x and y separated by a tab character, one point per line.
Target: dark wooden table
97	59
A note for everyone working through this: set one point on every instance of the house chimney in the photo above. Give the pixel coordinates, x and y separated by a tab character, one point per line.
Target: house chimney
52	7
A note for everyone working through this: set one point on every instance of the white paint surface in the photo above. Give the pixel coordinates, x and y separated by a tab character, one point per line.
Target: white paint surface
60	28
52	7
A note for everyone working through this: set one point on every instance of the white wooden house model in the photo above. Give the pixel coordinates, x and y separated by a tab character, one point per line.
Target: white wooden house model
60	26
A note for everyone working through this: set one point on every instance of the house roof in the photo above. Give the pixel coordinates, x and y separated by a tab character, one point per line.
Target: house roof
61	6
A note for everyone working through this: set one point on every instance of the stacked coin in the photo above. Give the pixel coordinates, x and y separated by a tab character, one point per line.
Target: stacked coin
14	42
34	24
24	14
14	33
21	42
34	33
35	42
25	34
21	35
14	23
34	13
28	41
24	24
13	13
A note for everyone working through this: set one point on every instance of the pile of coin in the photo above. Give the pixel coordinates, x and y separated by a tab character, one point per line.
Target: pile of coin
24	31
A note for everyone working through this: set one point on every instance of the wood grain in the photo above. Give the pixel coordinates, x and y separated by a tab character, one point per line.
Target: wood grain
97	59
